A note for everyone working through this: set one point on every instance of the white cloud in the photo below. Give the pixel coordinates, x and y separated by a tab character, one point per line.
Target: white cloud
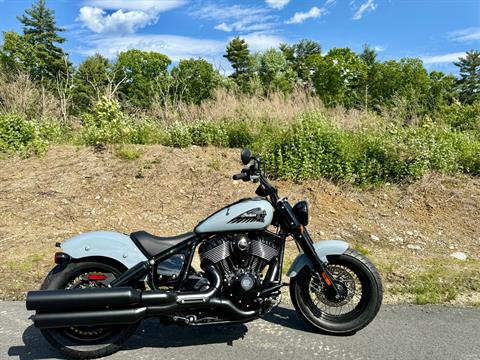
128	17
249	23
223	13
143	5
236	17
277	4
99	21
175	47
379	48
464	35
445	58
367	6
300	17
260	41
224	27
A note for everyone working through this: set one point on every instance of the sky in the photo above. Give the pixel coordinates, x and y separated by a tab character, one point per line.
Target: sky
437	31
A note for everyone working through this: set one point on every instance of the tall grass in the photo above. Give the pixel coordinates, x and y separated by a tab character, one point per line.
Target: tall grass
298	138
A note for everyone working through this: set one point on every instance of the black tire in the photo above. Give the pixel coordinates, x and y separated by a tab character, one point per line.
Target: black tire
69	341
342	324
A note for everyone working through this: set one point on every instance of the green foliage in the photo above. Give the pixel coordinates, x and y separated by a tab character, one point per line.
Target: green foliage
18	135
297	57
462	117
140	75
108	125
239	56
90	82
17	55
405	81
196	80
275	74
42	33
469	83
313	148
338	76
207	133
128	152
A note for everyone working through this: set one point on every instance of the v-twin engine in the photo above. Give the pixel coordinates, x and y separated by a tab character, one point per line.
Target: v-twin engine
240	258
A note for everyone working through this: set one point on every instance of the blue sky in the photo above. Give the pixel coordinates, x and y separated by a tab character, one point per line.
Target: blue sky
438	31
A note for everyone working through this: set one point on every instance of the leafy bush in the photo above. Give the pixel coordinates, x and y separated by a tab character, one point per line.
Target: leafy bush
312	147
462	117
207	133
108	125
27	137
179	135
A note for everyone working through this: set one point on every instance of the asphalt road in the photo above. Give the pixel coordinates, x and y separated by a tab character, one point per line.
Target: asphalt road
398	332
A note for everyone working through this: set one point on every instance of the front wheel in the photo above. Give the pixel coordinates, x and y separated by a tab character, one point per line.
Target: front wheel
360	289
85	342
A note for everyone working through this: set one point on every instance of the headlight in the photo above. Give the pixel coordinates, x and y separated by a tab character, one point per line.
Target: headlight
301	212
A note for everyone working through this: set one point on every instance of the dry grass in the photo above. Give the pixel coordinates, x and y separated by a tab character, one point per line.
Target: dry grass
230	105
72	190
22	96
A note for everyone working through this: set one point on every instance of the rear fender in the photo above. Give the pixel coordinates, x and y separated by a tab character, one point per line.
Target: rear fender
323	249
107	244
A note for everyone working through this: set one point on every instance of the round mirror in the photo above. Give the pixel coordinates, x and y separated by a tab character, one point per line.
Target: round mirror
246	156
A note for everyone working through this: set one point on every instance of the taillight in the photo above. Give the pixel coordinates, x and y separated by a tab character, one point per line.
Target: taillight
96	277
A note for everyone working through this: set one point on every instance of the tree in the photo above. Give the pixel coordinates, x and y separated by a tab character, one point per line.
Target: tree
197	80
369	57
401	85
238	55
145	72
41	32
442	90
275	73
338	76
17	55
469	82
90	82
297	56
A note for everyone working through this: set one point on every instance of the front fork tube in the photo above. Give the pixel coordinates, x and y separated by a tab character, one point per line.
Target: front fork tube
306	244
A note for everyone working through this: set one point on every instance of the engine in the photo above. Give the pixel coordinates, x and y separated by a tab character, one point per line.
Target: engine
240	258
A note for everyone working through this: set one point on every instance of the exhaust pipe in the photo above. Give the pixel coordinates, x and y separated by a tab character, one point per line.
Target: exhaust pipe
108	306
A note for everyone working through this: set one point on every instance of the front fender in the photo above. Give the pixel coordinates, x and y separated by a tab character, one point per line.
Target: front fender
323	248
104	243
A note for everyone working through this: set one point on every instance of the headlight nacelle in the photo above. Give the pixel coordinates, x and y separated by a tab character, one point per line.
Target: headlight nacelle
301	212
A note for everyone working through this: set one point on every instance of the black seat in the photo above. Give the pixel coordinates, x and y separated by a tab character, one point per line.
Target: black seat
153	245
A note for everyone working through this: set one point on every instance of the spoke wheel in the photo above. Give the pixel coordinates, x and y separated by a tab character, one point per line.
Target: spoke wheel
360	294
85	342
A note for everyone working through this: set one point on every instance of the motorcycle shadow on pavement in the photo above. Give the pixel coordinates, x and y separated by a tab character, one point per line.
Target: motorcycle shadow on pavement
151	333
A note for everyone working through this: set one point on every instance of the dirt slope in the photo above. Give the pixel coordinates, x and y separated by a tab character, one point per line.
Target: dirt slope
167	191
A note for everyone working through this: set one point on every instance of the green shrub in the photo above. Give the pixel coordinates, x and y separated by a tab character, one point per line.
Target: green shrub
179	135
462	117
108	125
239	133
128	152
312	147
27	137
205	133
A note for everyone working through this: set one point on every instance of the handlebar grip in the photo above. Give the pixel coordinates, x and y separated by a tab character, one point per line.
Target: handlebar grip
239	176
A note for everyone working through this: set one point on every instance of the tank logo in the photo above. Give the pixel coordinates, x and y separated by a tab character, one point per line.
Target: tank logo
253	215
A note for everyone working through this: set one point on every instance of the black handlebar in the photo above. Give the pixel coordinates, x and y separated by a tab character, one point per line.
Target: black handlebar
239	176
244	175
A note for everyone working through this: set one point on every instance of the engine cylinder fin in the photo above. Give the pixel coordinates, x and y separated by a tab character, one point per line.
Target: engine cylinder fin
263	250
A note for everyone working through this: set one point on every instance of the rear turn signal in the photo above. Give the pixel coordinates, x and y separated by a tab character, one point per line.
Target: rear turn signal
61	258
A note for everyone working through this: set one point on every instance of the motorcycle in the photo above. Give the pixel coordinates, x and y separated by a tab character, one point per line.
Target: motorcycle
105	283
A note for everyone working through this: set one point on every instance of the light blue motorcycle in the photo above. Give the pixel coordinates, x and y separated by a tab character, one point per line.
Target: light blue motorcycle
105	283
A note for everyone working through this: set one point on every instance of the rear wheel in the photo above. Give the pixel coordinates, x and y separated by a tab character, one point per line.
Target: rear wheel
85	342
360	290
